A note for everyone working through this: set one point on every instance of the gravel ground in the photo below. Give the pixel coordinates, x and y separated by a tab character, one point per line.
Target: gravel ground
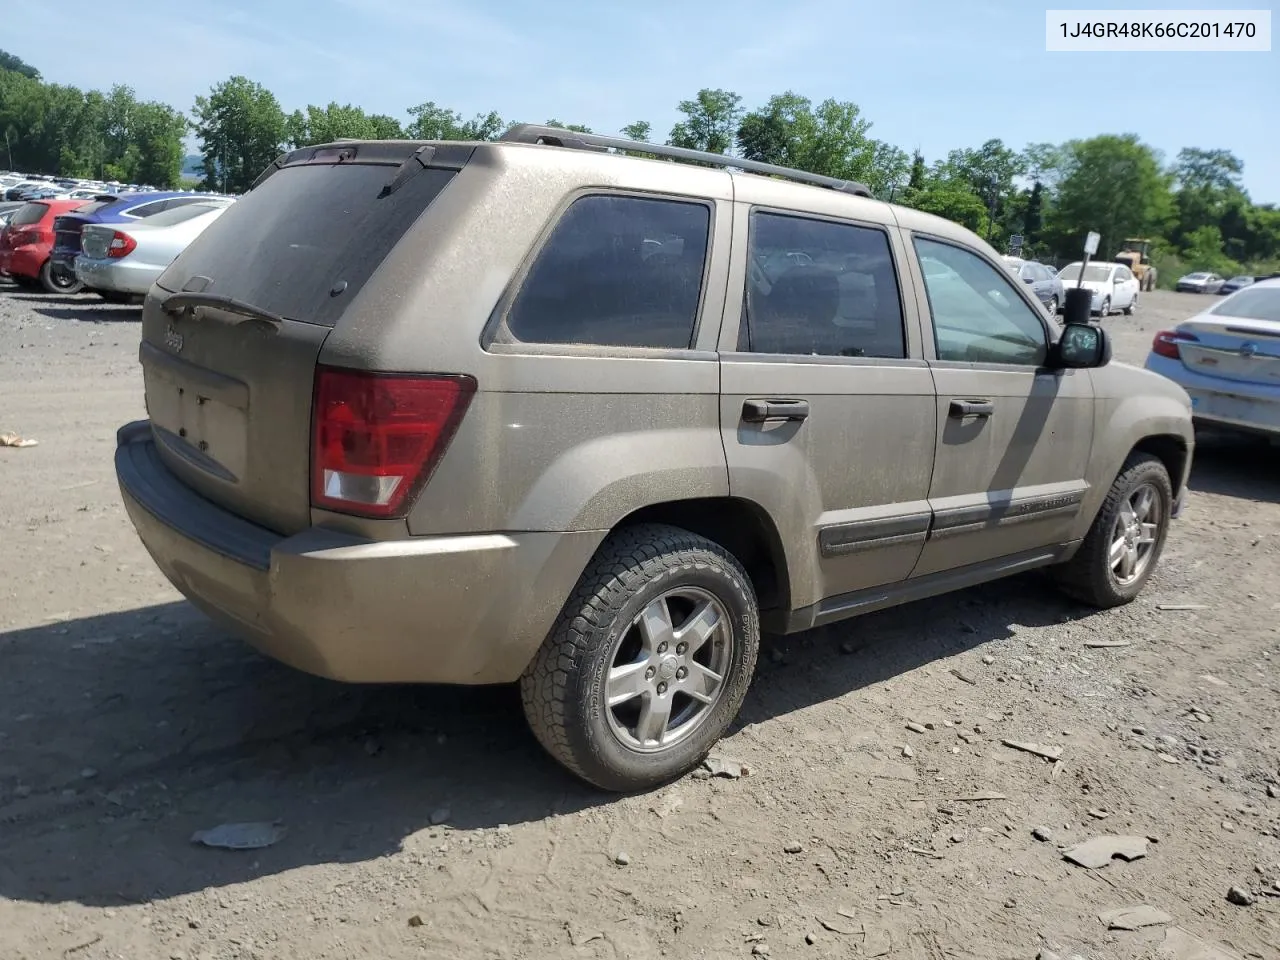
427	823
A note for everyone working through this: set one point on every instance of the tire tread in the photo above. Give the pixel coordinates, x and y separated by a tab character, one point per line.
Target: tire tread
1085	577
625	562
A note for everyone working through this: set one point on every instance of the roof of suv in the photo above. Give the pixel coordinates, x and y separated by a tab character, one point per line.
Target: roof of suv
587	155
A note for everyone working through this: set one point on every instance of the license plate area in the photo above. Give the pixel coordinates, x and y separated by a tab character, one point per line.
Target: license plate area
1236	409
206	423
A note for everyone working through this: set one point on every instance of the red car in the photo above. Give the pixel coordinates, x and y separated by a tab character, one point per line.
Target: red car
27	241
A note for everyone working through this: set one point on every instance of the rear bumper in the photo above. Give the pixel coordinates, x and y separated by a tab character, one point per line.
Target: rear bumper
116	276
22	262
460	609
1254	407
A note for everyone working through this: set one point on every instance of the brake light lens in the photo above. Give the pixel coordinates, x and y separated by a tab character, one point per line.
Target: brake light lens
121	245
1166	343
23	237
377	438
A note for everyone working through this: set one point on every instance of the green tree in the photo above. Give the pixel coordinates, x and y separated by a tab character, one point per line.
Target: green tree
915	180
333	122
710	121
434	122
954	202
158	131
640	130
241	130
1033	215
9	61
1116	187
988	172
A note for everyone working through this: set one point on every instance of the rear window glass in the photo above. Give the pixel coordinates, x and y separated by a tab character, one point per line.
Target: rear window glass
284	245
617	272
180	214
31	213
1251	303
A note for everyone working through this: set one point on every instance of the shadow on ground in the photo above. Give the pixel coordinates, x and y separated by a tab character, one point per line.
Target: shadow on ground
93	313
124	733
1247	468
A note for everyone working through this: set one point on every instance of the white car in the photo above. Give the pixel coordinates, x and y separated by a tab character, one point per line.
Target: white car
1113	285
1228	359
121	260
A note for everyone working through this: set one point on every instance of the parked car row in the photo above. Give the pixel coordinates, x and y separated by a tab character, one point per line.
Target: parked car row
1113	285
134	237
36	186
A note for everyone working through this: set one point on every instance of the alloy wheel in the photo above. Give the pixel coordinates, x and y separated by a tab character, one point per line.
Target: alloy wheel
667	670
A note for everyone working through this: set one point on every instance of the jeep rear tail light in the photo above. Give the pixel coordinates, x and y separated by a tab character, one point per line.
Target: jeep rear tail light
376	438
1166	343
121	245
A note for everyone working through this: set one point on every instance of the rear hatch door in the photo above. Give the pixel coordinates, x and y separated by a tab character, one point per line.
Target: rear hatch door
232	330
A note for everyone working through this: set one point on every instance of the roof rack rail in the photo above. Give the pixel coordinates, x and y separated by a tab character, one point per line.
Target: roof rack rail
572	140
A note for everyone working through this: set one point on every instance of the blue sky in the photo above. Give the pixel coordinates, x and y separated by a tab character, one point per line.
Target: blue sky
933	74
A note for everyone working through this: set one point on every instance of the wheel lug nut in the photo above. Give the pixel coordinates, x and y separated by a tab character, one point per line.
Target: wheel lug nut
662	647
681	673
662	688
648	674
681	648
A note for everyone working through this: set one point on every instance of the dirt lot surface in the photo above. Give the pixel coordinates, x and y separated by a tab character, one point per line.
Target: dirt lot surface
427	823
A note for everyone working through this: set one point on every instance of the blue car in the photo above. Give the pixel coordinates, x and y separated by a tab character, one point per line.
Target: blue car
109	208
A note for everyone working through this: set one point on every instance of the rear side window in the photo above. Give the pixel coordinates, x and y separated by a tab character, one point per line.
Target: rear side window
617	272
31	213
817	288
145	209
301	233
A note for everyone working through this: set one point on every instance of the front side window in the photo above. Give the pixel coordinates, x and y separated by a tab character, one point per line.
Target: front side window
617	271
978	316
817	288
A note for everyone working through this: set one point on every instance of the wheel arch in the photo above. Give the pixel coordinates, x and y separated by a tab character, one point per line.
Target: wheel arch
1171	450
742	527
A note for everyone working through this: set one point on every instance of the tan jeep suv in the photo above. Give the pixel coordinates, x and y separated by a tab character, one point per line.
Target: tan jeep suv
540	410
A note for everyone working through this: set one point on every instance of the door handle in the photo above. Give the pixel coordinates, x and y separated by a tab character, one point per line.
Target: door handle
972	408
765	411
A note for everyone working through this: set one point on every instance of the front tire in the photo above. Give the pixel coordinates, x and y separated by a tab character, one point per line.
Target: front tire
1126	539
649	661
1132	306
1106	308
1053	306
56	281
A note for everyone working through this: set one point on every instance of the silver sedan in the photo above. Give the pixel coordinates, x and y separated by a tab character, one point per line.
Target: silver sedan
125	259
1228	359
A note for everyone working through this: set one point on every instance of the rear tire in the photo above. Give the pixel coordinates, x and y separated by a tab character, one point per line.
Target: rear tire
614	666
1124	544
56	281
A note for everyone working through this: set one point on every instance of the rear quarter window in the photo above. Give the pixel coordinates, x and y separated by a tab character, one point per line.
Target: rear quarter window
617	271
286	244
31	213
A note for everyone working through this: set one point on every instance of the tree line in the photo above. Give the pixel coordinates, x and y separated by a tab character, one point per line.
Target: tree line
1194	207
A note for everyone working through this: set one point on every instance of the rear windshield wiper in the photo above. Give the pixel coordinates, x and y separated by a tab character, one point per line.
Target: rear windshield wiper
189	301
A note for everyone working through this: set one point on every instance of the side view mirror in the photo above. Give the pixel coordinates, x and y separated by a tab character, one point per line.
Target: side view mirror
1082	346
